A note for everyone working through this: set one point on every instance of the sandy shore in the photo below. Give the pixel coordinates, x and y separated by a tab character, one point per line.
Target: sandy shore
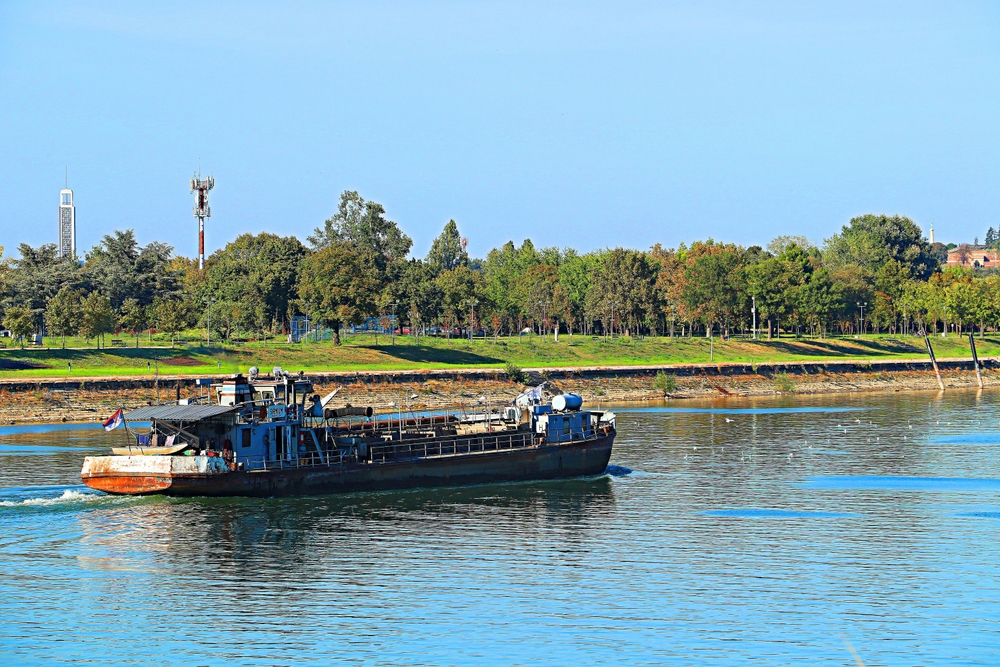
91	400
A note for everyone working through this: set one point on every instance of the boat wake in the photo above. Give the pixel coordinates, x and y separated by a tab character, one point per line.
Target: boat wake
617	471
68	496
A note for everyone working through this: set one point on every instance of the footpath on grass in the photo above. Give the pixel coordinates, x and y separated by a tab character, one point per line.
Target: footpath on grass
39	399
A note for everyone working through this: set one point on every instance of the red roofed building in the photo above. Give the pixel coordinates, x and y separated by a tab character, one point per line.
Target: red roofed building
973	257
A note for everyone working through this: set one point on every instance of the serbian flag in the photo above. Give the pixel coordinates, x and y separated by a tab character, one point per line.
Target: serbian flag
115	420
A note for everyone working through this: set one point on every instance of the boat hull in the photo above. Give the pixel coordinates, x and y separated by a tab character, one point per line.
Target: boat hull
177	477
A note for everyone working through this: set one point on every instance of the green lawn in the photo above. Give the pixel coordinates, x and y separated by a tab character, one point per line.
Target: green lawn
360	353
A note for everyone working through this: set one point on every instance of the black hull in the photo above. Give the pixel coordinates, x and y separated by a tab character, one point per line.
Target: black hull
533	463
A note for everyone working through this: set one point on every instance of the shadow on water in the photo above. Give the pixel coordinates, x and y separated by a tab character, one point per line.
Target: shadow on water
236	531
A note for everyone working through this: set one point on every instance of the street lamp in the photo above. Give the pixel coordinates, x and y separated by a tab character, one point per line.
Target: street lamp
392	324
208	323
754	311
472	314
544	305
862	307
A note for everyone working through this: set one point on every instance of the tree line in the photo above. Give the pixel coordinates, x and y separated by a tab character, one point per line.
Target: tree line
878	273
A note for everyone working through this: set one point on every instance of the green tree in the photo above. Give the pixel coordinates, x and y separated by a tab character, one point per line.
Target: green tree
820	299
338	286
768	283
417	294
457	287
120	269
712	288
363	223
257	276
98	317
446	251
622	289
133	318
869	241
575	273
64	313
779	244
36	277
21	322
171	316
503	271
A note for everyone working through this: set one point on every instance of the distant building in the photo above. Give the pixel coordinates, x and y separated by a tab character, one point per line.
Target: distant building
973	257
67	224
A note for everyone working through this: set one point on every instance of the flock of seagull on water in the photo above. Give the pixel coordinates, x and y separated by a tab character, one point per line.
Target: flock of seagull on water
746	457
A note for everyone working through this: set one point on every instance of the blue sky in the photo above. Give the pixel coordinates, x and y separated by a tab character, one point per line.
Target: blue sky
575	124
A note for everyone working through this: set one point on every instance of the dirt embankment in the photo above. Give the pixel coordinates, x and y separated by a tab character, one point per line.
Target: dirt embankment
92	400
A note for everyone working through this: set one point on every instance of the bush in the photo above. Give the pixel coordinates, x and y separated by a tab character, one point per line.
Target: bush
783	384
515	374
665	383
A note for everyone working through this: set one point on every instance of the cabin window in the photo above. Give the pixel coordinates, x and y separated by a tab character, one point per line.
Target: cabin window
245	437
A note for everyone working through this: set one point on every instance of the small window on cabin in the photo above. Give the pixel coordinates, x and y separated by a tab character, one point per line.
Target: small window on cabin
245	438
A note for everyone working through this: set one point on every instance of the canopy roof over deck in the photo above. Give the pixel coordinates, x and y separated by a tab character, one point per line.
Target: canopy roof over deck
178	413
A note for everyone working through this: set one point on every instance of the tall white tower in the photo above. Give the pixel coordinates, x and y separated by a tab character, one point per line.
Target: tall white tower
932	233
67	225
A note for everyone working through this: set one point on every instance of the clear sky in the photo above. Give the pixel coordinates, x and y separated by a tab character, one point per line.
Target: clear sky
575	124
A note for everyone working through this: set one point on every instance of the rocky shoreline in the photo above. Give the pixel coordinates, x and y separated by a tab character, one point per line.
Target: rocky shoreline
51	400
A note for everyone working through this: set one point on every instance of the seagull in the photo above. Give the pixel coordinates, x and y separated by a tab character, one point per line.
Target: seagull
728	420
858	421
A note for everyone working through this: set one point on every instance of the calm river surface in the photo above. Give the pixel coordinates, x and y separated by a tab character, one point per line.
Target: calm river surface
814	530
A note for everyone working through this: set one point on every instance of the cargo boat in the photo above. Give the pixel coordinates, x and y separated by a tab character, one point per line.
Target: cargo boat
272	436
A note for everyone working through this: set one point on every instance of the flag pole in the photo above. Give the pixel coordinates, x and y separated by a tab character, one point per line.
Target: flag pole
128	433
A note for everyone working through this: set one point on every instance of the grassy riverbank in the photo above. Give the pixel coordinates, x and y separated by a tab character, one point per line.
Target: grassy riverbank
360	353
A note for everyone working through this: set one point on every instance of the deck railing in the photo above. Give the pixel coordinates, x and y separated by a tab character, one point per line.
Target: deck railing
472	444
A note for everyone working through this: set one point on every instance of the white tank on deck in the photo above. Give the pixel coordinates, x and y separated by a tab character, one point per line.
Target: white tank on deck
564	402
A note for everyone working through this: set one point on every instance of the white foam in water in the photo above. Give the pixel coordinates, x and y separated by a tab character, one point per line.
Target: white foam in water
68	496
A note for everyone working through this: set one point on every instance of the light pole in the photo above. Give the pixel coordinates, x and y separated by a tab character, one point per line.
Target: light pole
472	315
208	323
862	307
392	324
544	305
754	311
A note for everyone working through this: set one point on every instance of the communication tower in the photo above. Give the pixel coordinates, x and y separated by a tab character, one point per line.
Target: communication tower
200	188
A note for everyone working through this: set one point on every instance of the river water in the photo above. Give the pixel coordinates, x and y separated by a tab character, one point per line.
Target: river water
840	530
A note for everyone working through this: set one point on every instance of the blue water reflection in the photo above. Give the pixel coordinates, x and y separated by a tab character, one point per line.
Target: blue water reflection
738	532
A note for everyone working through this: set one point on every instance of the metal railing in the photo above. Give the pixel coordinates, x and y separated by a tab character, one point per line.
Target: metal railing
331	458
472	444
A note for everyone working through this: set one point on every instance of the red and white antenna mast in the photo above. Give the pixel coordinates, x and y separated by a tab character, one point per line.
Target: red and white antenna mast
200	188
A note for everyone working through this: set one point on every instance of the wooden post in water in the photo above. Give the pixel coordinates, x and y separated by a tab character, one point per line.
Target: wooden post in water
930	351
975	360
